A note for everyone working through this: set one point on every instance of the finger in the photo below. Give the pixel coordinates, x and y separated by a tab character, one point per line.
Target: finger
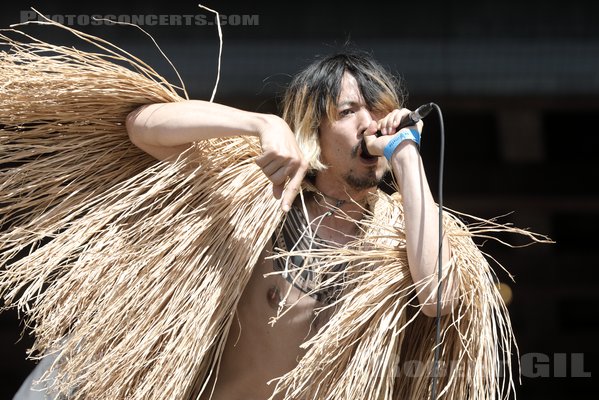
371	129
390	122
398	117
279	176
293	187
393	124
288	196
418	126
277	191
270	168
382	125
370	141
263	160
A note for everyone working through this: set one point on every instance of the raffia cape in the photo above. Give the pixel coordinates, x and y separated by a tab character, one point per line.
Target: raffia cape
130	269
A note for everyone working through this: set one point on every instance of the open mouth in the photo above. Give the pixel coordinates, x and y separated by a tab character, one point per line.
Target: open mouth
364	155
368	157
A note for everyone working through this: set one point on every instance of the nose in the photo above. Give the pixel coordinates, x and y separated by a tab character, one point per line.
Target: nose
364	120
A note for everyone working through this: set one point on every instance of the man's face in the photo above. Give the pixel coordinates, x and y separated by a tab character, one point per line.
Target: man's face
340	142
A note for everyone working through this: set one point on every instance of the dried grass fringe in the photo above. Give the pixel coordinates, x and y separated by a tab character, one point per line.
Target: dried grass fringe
130	269
378	345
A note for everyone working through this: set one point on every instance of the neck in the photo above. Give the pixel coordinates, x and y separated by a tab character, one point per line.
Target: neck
334	204
333	219
341	196
330	201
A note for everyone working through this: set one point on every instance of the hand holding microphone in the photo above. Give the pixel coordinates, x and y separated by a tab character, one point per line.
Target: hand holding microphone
413	134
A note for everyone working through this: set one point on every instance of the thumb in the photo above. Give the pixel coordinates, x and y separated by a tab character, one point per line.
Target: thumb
370	146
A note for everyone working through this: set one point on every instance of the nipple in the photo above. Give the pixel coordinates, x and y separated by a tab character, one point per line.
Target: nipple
273	296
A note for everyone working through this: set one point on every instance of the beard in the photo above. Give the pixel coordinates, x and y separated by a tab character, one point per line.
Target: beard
367	180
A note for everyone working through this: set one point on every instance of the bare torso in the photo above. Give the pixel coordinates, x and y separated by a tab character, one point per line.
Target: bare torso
257	351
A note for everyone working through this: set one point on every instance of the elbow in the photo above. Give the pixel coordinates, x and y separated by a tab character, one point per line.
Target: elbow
430	309
134	127
149	137
432	305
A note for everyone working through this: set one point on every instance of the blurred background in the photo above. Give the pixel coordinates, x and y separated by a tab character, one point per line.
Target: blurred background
518	84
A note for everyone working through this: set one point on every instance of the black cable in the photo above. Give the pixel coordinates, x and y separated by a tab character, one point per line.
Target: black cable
414	117
435	371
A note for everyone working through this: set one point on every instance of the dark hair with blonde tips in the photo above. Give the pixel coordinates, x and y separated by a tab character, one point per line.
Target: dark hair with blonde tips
313	95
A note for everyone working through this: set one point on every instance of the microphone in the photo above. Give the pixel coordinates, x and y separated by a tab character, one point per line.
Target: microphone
412	119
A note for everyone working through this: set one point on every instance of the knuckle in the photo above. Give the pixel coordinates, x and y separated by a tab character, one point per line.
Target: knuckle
295	162
260	162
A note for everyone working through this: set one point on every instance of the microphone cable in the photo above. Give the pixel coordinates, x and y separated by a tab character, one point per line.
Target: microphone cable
435	371
412	119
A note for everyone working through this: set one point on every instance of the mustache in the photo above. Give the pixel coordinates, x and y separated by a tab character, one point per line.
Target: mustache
355	150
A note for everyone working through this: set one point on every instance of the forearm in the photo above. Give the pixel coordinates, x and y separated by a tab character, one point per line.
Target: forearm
165	128
421	216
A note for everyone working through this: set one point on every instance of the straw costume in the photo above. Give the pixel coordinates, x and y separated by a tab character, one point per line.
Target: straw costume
129	269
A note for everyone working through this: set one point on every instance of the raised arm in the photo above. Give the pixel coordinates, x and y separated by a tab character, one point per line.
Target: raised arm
164	130
420	214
